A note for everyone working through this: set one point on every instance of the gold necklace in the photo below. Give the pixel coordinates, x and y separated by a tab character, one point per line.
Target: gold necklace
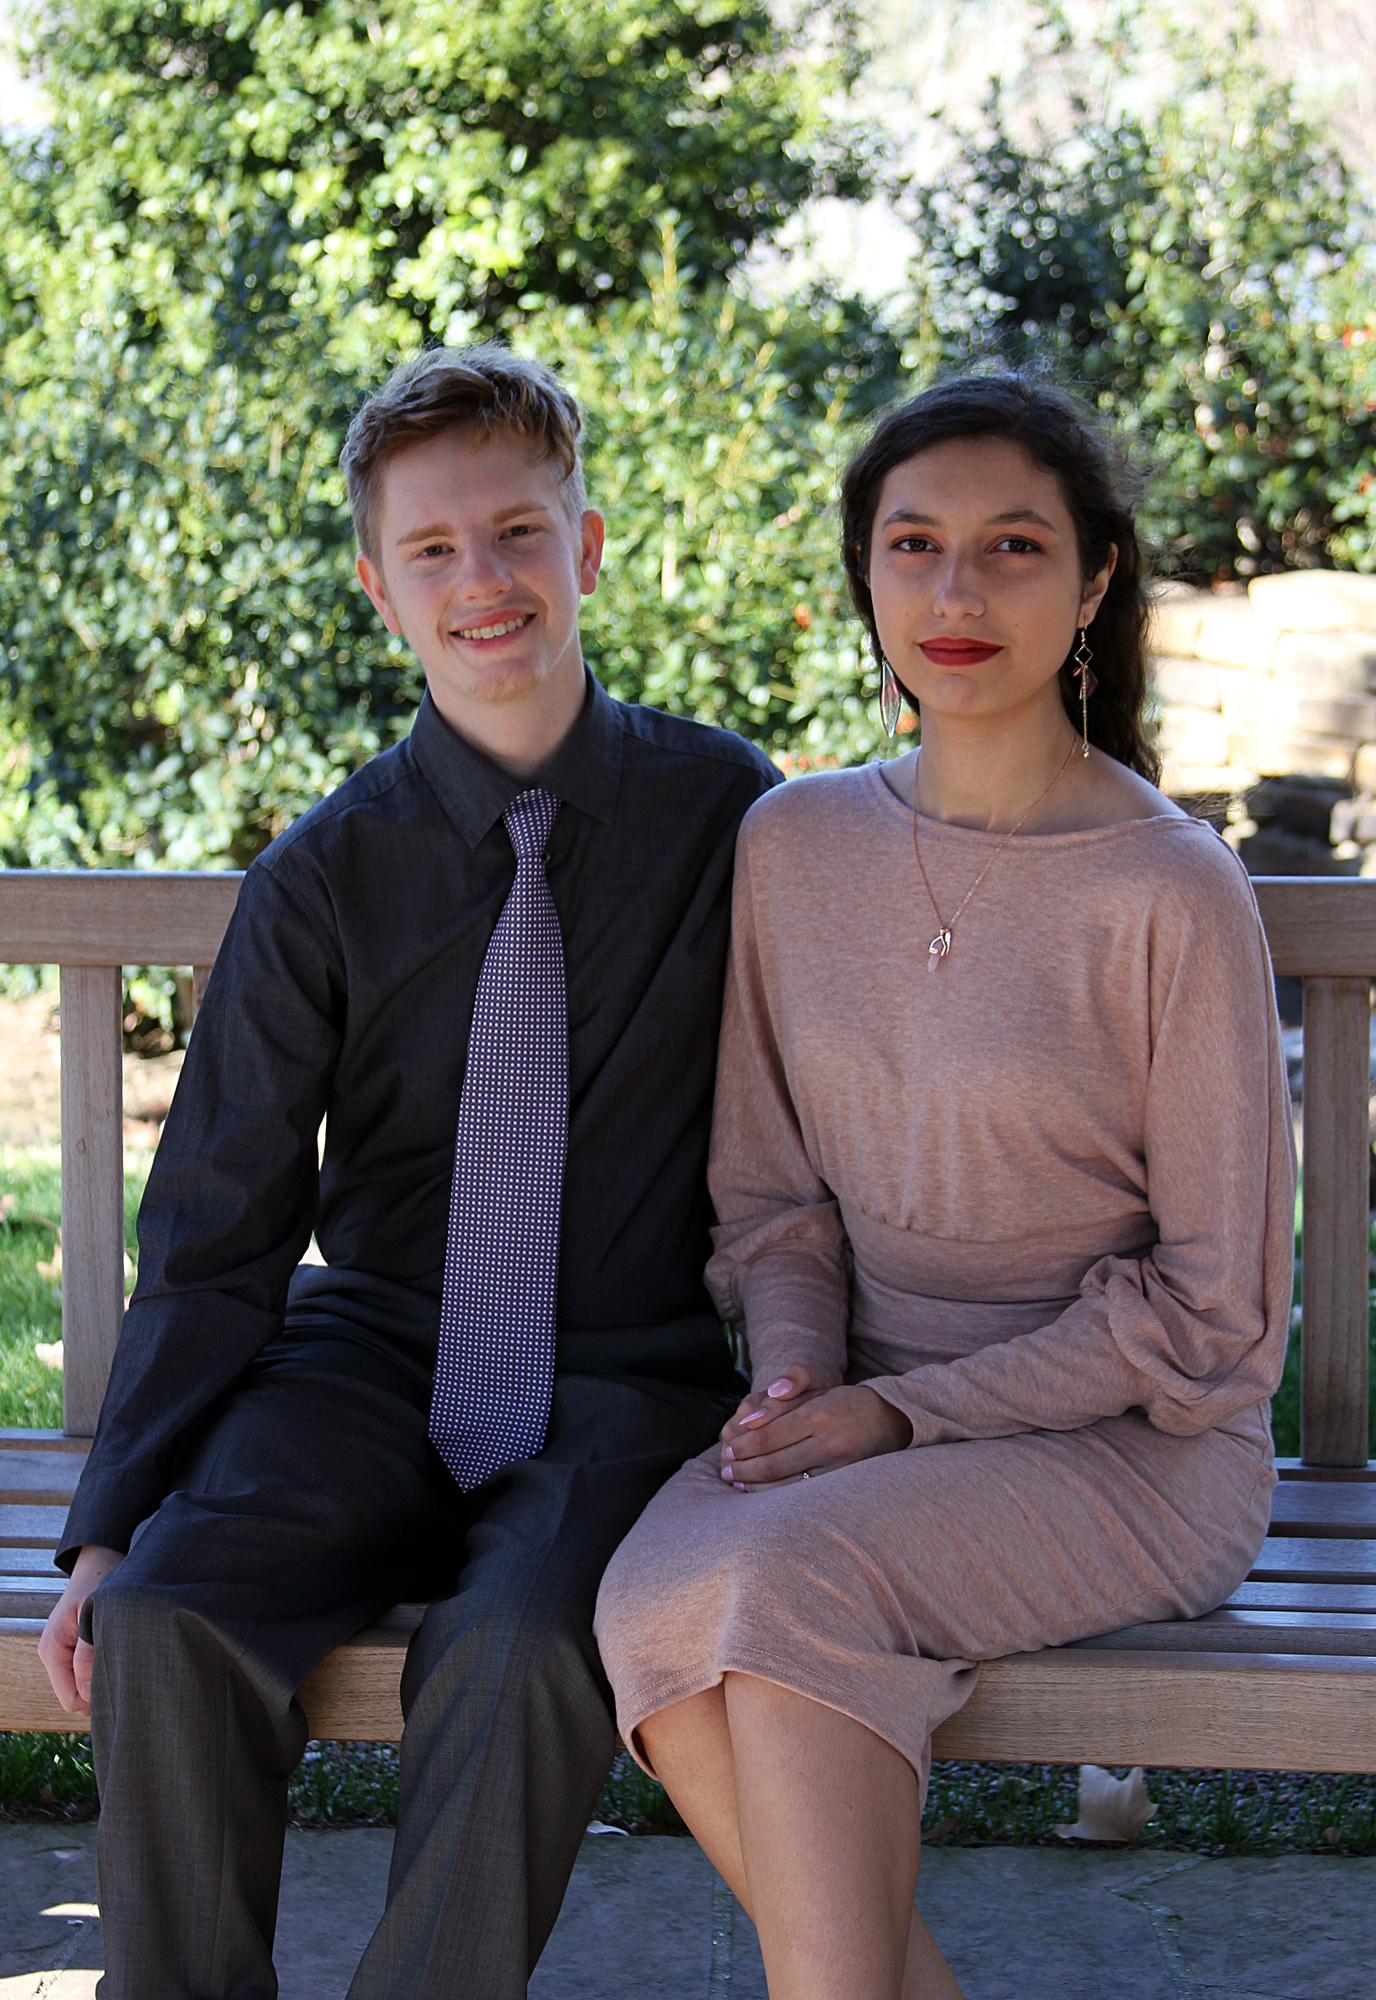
941	943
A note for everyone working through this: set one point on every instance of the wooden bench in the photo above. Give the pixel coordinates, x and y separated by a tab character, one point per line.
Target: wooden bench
1283	1677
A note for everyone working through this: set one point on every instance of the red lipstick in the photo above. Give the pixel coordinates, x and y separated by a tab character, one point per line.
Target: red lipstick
958	652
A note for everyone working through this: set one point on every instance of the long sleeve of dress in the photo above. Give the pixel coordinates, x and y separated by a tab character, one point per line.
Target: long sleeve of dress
779	1267
1193	1331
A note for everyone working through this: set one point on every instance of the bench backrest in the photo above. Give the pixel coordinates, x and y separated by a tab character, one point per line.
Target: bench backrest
93	924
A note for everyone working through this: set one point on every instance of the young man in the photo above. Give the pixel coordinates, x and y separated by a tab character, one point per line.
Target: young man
491	963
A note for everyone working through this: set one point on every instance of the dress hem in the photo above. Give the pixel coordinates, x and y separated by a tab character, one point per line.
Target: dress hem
657	1696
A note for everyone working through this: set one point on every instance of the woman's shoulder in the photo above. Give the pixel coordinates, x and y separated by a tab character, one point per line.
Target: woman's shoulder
1189	880
817	805
1177	866
1120	794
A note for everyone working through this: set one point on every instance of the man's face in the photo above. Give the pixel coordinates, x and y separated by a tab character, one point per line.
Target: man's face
480	569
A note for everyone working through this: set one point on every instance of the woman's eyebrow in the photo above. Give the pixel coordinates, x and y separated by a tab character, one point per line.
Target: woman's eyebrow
994	520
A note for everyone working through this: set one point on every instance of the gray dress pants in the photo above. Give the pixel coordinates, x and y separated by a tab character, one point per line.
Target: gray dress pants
310	1502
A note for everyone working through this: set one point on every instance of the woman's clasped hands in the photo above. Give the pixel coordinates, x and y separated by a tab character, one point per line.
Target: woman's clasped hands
801	1424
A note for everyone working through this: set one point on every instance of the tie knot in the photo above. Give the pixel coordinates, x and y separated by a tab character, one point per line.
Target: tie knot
529	821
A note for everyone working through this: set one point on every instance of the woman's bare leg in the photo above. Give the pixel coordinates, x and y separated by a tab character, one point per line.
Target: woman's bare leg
691	1748
926	1975
829	1838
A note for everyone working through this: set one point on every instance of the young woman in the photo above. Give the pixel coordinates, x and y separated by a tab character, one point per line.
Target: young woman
1003	1167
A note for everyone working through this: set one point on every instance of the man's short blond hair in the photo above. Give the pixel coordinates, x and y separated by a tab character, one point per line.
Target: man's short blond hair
486	389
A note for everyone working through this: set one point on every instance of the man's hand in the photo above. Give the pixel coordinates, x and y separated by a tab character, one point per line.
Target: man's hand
811	1433
67	1658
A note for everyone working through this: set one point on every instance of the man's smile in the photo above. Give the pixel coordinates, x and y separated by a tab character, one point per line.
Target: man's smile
500	629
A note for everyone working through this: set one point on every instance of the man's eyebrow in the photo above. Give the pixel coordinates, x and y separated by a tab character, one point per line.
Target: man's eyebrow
437	533
440	531
994	520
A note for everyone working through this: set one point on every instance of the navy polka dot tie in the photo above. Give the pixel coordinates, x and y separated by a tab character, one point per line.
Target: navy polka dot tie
494	1372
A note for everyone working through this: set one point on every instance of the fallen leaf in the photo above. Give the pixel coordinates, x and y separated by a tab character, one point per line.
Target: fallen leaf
1111	1809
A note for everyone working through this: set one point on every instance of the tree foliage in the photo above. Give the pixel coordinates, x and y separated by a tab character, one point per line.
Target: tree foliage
1199	270
243	217
407	163
716	431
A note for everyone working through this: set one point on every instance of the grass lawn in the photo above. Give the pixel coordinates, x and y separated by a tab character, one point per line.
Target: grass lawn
1227	1812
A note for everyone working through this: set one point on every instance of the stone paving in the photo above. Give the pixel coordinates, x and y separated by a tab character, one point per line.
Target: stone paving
647	1919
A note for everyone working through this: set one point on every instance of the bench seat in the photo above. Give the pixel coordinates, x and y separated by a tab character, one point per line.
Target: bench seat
1282	1677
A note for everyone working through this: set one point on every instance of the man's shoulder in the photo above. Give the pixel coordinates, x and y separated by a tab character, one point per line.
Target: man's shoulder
659	735
315	832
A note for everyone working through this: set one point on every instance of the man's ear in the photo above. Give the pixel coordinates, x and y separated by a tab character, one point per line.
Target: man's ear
370	576
594	541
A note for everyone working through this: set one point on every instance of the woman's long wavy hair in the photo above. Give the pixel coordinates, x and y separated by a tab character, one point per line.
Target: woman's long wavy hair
1061	435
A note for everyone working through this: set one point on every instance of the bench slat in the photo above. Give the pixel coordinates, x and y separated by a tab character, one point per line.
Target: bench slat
43	1441
45	1477
132	917
27	1527
28	1577
114	917
1292	1559
1317	927
1250	1711
1336	1503
27	1596
1347	1634
28	1562
1232	1628
92	1187
1324	1507
1336	1223
1295	1468
1252	1596
1254	1711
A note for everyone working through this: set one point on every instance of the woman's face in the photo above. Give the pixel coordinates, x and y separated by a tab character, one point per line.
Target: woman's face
976	579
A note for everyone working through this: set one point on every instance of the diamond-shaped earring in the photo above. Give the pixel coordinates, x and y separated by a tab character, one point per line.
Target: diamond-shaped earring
1089	680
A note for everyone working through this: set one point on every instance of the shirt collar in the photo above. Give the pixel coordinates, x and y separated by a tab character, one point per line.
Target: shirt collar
585	771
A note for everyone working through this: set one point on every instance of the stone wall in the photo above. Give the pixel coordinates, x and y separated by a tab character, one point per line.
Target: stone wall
1268	716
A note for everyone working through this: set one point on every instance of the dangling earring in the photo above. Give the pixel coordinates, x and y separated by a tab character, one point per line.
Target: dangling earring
1088	680
890	701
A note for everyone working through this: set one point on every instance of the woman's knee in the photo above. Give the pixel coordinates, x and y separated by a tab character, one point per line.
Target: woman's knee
654	1596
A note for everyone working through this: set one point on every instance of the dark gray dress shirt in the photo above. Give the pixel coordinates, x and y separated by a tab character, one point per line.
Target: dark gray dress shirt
343	992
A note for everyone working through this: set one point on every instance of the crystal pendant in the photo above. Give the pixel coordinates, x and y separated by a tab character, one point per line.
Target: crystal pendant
890	701
938	949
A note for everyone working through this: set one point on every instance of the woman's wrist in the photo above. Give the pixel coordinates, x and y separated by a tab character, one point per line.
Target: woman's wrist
787	1381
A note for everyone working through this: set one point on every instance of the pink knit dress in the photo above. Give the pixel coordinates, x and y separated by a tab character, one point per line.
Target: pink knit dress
1039	1197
